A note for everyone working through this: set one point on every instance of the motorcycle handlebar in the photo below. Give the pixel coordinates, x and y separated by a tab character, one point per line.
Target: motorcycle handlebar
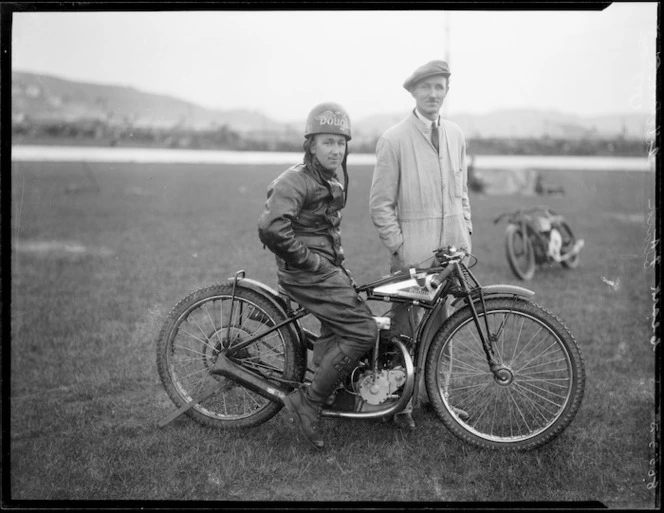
517	213
499	218
439	278
446	255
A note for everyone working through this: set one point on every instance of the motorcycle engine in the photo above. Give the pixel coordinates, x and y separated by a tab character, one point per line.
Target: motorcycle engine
555	244
376	388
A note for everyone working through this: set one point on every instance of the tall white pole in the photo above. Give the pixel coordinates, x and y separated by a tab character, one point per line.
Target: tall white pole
446	27
447	37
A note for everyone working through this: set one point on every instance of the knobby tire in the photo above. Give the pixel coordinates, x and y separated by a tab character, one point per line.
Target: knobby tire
520	253
547	385
194	332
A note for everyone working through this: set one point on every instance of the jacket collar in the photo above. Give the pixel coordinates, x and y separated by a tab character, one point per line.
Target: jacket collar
424	120
422	127
425	129
319	172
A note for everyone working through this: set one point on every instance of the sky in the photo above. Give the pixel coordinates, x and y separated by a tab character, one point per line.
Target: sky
282	63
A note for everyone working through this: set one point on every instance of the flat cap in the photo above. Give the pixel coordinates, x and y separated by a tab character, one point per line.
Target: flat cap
428	70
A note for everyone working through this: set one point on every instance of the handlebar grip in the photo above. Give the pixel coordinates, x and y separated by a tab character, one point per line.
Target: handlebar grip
439	278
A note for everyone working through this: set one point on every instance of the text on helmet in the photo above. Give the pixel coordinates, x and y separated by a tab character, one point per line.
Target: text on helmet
333	119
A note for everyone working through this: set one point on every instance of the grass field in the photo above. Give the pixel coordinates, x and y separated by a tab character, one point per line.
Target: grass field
99	258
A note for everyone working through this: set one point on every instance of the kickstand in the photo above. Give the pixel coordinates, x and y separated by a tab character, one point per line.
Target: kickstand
196	400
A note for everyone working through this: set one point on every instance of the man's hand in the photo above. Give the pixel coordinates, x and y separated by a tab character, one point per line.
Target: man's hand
397	264
397	261
323	265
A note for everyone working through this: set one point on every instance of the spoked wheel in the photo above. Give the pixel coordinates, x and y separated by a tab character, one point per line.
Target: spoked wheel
535	394
568	243
520	252
195	332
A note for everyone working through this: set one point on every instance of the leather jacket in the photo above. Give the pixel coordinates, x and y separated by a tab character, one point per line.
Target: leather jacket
300	223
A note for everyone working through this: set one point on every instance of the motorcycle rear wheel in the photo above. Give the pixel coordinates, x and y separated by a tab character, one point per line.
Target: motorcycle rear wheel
192	337
541	385
520	253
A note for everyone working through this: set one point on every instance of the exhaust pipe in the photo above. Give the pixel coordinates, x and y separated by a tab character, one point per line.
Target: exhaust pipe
228	369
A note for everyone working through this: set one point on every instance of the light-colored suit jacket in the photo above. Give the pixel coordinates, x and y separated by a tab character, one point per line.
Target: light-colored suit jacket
419	200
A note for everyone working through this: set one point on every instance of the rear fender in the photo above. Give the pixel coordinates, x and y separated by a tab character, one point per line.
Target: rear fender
261	288
273	297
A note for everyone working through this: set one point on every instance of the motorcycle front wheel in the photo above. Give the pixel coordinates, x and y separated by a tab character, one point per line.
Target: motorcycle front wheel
194	333
520	252
533	398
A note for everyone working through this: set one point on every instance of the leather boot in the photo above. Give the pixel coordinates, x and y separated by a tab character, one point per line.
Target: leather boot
304	406
305	413
334	367
404	420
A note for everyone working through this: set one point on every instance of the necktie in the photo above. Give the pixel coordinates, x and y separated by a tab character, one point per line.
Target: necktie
434	136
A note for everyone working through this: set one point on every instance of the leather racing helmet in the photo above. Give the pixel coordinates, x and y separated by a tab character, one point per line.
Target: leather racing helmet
328	118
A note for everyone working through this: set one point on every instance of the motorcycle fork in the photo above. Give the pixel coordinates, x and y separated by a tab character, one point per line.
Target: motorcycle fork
525	235
486	338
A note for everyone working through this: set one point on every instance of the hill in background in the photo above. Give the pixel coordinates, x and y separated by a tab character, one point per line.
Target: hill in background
526	123
38	97
43	97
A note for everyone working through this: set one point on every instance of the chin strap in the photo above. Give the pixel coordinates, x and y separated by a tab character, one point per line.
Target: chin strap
346	179
309	160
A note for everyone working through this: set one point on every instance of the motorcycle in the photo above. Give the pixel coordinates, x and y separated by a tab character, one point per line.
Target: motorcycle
501	372
538	236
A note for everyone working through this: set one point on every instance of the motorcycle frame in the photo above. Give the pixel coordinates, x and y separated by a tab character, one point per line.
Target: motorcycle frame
535	236
452	279
456	281
453	284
